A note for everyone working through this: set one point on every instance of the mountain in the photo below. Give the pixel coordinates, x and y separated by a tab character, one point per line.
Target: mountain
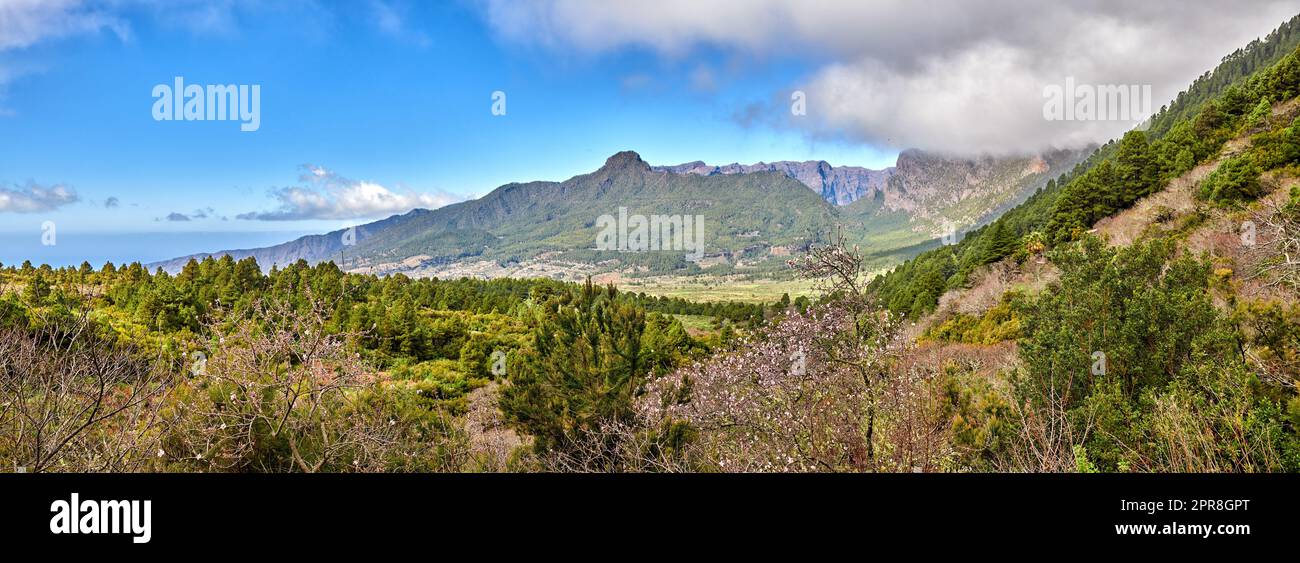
838	185
922	184
754	217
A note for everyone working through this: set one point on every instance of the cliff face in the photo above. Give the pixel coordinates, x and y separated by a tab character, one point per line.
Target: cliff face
840	185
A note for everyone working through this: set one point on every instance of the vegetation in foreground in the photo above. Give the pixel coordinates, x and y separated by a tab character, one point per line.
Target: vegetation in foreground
224	368
308	370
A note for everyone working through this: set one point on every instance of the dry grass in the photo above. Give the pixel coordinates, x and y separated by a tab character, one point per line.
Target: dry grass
1175	202
990	282
987	360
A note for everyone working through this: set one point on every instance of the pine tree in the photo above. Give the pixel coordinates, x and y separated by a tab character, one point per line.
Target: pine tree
1260	114
585	367
1135	169
1185	161
1002	242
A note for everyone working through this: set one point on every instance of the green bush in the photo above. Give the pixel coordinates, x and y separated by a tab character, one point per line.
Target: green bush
1237	179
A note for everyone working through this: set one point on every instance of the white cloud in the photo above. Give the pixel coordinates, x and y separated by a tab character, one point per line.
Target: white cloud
330	196
28	23
391	19
36	198
200	17
24	23
950	75
988	99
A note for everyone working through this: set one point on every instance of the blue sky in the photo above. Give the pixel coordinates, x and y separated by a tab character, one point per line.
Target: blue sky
406	106
390	100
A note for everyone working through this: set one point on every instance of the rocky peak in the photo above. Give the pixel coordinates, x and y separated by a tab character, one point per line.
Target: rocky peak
625	161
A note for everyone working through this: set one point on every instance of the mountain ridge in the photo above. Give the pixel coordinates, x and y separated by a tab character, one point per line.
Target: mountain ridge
757	215
843	185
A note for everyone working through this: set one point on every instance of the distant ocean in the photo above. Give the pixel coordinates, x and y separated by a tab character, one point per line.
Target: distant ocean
123	248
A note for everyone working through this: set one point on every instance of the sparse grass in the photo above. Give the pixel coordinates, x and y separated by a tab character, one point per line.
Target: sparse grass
697	324
711	289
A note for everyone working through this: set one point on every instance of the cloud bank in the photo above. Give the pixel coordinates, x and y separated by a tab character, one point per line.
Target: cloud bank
326	195
947	75
36	198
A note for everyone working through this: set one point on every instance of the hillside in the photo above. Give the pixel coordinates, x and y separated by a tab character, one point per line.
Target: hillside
1141	313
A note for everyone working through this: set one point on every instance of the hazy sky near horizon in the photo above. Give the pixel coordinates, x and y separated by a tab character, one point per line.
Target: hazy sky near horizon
373	107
